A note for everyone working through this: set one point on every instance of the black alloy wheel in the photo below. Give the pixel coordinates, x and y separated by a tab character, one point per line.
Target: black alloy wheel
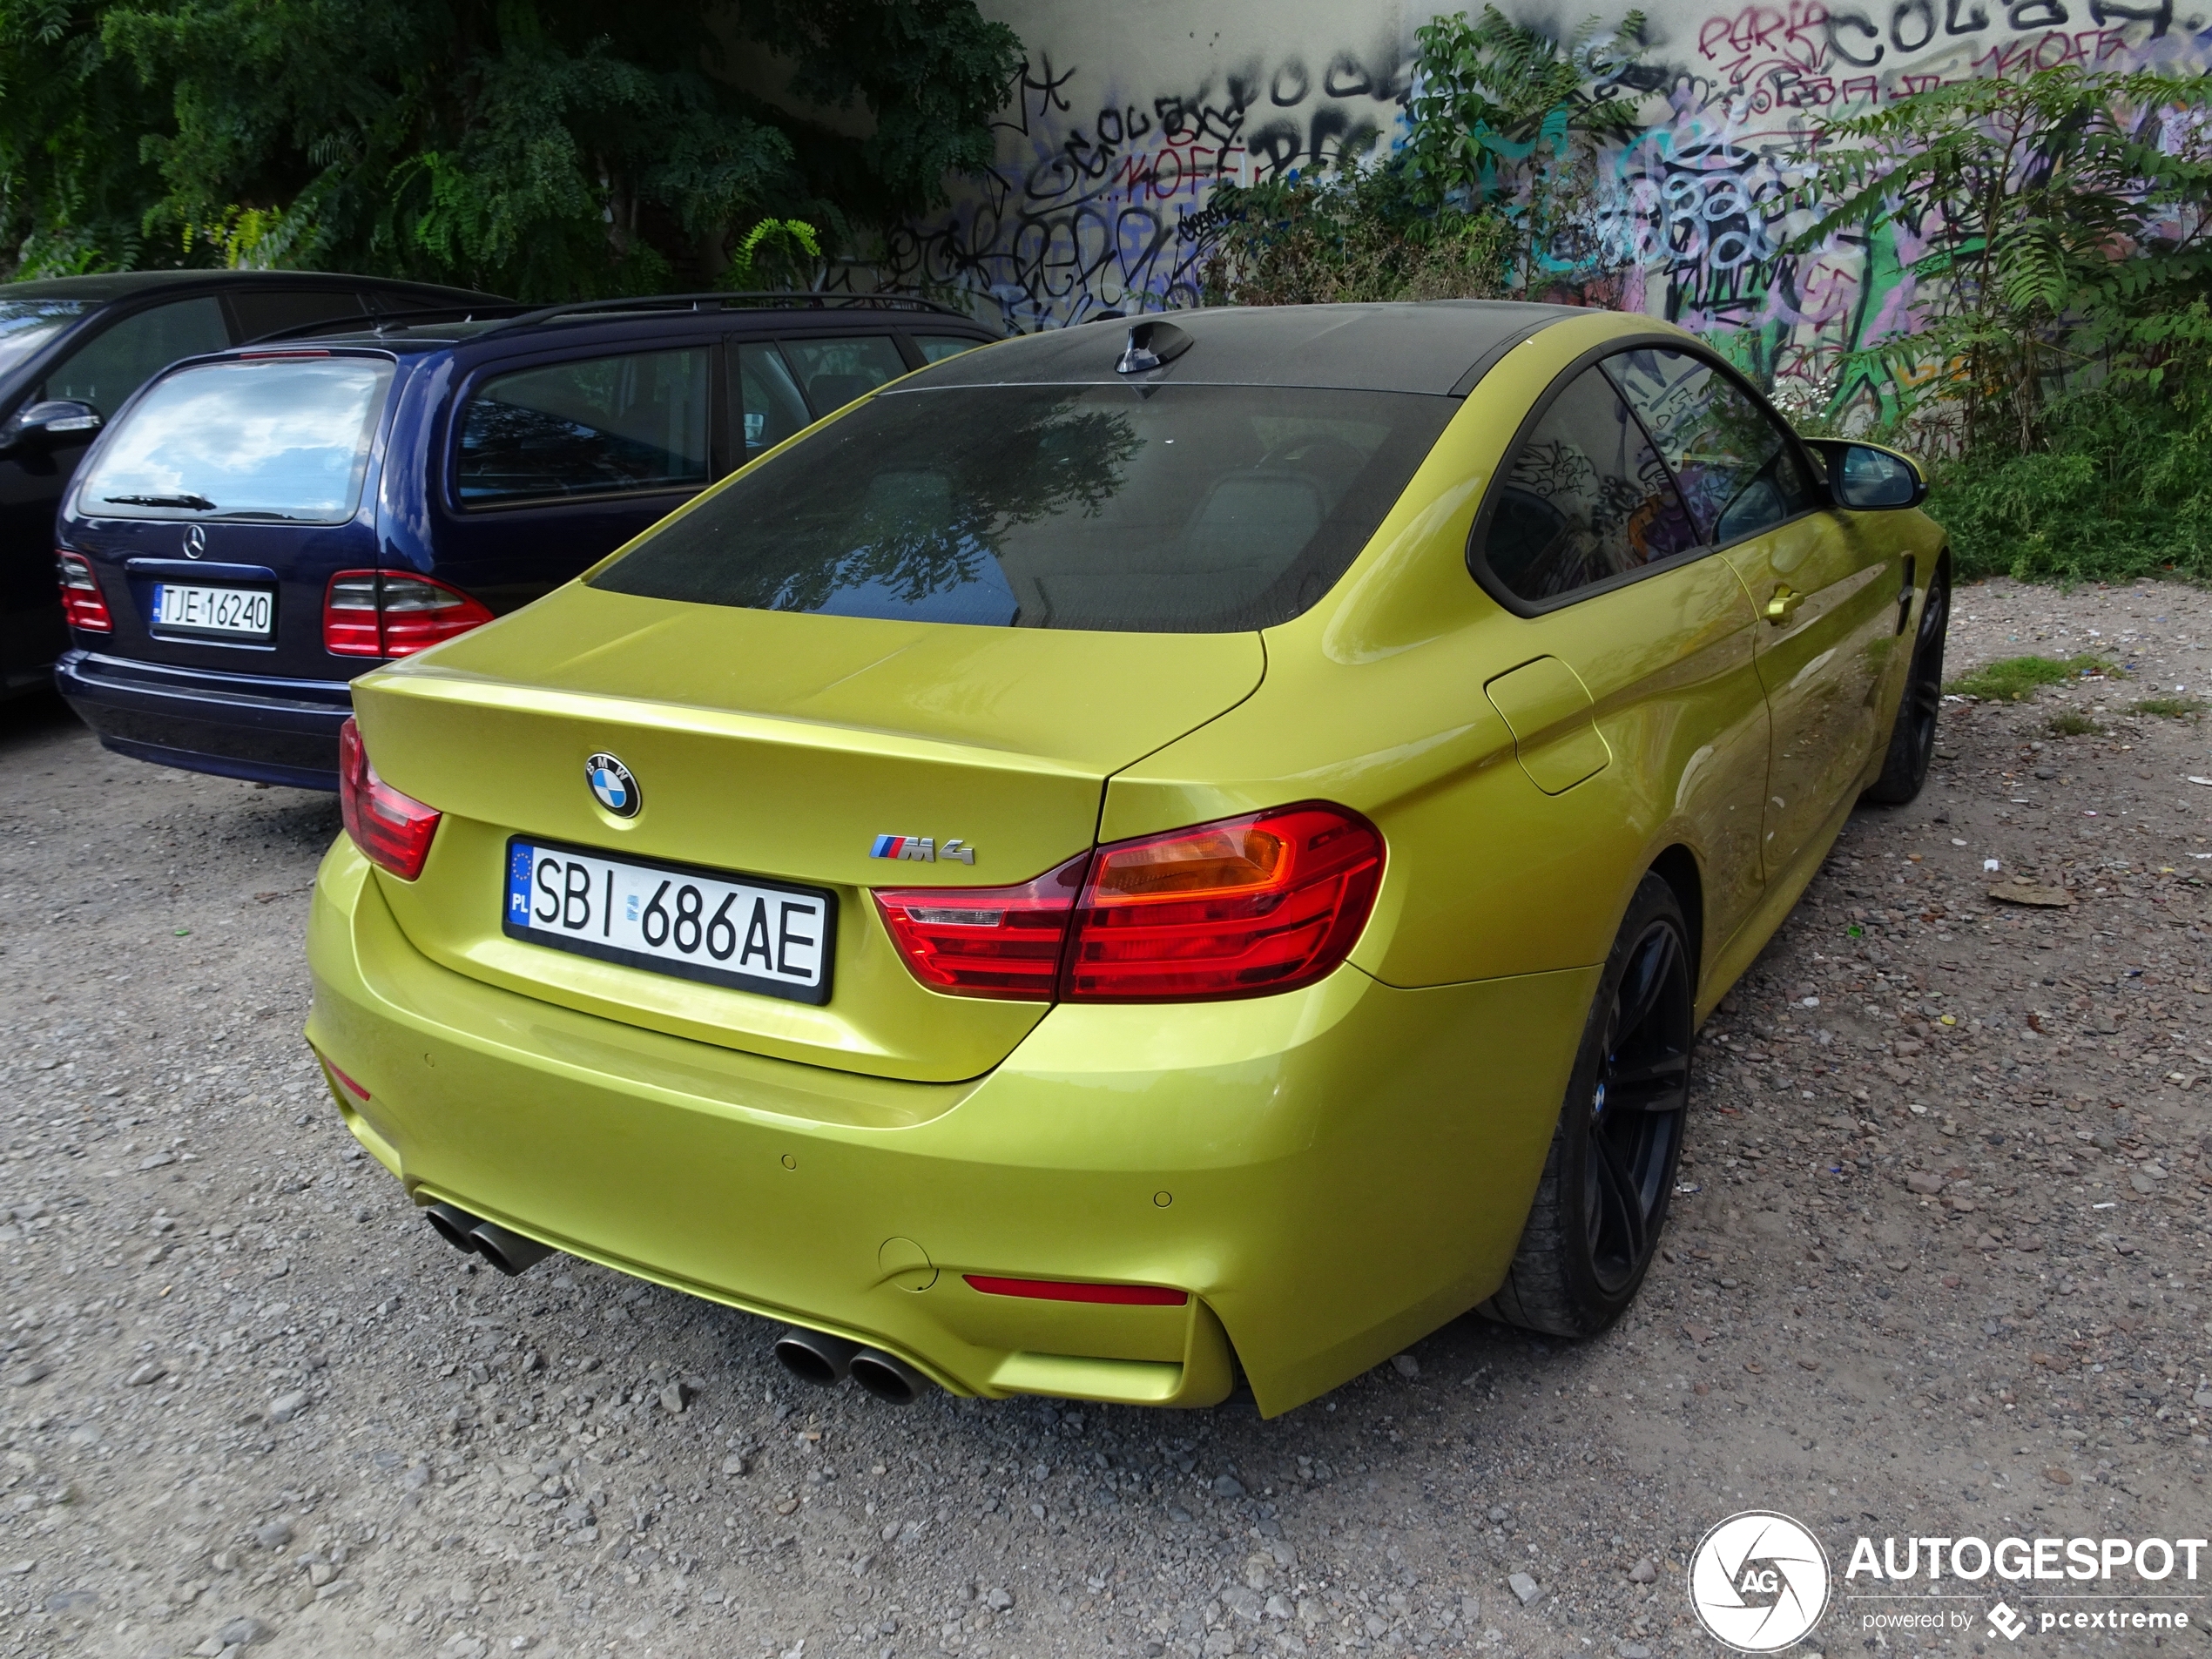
1595	1223
1913	742
1636	1109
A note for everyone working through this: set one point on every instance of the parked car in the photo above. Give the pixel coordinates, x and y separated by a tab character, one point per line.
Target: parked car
1138	853
259	525
73	351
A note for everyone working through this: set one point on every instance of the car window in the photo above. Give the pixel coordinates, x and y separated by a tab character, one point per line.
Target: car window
1738	469
834	372
1151	509
276	438
267	311
770	406
937	347
1586	499
602	426
107	368
26	325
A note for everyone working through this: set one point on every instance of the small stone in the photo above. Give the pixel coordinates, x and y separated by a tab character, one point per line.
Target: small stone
1924	1182
675	1396
1277	1607
243	1633
37	1371
998	1600
275	1535
733	1464
1498	1512
1525	1588
21	1567
287	1405
2059	1477
1405	1366
152	1370
159	1160
1644	1571
320	1573
1634	1651
1228	1486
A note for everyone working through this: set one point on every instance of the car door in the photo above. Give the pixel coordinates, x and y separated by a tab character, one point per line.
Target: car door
554	462
104	370
1822	592
1639	642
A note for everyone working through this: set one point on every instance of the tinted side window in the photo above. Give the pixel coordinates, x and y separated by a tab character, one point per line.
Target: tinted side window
937	347
264	311
110	366
834	372
770	406
1585	499
595	427
1738	469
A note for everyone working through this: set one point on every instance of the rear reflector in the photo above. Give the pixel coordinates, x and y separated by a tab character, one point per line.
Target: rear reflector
351	1086
377	613
1061	1289
392	831
82	602
1241	908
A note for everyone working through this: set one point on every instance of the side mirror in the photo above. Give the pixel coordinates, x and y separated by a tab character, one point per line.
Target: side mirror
49	425
1866	476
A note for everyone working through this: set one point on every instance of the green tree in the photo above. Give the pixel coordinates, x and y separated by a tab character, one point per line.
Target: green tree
547	148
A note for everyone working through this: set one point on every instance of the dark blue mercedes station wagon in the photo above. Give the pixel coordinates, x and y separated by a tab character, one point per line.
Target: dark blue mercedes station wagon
258	526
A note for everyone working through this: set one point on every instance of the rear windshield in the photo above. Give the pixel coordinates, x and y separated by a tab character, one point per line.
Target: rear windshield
284	438
1150	509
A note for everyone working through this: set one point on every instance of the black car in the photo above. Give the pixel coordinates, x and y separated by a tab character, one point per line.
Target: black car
74	349
260	525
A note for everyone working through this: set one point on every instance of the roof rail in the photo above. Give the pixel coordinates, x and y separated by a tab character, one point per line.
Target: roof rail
378	321
795	298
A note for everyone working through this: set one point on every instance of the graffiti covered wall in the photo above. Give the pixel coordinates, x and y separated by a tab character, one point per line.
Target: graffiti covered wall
1123	120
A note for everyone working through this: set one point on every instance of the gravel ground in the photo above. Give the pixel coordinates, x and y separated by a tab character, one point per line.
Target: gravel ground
1935	1278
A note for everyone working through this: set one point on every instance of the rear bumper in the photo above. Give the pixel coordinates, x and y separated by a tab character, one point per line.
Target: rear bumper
1330	1173
271	731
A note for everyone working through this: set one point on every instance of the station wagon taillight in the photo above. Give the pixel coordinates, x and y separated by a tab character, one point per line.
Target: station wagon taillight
377	613
82	602
1240	908
394	831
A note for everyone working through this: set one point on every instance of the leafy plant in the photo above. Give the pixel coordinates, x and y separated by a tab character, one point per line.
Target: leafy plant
1363	233
775	253
547	148
2171	708
2016	679
2072	724
1506	118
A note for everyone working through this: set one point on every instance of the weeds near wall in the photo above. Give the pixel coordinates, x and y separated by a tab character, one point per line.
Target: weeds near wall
1494	191
2063	362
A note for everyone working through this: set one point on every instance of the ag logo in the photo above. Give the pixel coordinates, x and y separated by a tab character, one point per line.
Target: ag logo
1759	1582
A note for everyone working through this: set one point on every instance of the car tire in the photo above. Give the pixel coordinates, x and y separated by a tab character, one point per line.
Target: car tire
1912	739
1607	1179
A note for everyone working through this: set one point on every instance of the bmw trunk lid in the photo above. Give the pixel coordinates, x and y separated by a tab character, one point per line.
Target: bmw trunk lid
781	752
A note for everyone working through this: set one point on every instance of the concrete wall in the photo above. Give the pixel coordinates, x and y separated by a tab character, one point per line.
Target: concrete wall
1125	116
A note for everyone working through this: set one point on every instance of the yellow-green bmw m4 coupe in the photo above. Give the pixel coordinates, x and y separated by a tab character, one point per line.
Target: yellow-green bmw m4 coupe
1134	854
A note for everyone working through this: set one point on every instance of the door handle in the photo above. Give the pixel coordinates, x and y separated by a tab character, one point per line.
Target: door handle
1783	605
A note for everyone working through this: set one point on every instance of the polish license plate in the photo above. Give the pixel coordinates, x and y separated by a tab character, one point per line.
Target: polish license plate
742	931
229	613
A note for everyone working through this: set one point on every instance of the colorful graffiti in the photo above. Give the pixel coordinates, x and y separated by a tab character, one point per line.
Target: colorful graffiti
1099	201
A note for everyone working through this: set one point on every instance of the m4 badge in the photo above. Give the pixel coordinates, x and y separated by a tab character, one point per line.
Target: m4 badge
921	849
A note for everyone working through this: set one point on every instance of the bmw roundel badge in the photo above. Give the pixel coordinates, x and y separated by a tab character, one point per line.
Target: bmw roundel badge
613	784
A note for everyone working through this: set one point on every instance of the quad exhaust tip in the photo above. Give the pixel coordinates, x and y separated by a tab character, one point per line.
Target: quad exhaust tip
510	1252
824	1361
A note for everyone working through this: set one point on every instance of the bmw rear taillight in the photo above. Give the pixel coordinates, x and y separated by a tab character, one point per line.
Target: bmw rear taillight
987	942
376	613
1242	907
83	604
392	831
